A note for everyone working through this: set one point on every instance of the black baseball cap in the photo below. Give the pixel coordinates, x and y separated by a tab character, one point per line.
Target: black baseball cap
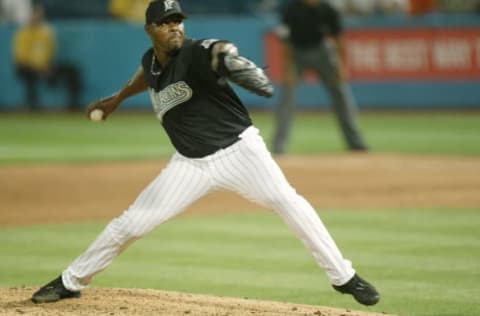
160	9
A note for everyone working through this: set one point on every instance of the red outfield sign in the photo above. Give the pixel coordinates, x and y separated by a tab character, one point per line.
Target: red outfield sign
430	53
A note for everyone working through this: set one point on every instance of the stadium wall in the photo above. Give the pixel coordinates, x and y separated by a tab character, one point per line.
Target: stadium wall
108	53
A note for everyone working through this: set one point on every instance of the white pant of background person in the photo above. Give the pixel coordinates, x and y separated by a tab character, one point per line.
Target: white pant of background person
245	167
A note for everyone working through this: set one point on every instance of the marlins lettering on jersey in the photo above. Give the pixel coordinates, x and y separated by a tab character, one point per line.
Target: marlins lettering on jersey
173	95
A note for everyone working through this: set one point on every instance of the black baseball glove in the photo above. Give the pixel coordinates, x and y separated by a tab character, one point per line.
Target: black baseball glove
245	73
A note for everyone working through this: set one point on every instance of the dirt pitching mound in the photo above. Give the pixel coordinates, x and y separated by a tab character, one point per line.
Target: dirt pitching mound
134	302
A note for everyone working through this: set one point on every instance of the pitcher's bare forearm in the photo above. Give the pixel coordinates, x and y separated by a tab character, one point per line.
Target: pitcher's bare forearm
135	85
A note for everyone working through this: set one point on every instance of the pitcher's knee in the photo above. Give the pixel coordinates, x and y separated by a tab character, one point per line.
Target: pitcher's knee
281	198
127	228
133	232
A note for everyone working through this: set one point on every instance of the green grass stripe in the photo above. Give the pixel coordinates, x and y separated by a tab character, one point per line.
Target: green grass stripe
27	138
424	262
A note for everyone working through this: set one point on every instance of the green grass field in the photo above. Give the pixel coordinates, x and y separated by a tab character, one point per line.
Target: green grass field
425	262
58	137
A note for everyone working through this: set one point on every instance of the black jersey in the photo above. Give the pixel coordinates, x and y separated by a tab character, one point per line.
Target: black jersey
310	24
199	114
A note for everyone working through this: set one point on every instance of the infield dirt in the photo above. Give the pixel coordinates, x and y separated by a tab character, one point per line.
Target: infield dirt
46	194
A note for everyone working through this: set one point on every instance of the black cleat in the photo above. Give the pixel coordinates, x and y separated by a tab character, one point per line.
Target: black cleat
52	292
362	291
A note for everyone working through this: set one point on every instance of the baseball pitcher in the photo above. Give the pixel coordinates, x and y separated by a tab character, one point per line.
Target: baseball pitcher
217	147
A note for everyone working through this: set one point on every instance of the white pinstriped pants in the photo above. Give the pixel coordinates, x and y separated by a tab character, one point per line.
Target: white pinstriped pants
245	167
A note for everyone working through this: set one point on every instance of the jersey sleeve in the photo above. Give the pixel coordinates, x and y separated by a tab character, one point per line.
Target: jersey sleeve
146	65
145	58
202	57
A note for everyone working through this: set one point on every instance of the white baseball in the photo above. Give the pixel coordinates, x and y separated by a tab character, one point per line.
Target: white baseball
96	115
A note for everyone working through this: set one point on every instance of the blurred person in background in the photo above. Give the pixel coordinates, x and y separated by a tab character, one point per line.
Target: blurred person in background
388	7
455	6
306	29
355	7
129	10
422	7
371	7
15	11
34	47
